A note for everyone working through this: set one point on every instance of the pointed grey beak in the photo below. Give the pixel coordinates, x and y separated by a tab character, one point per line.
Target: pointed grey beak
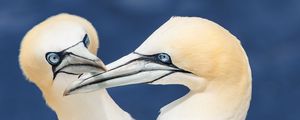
78	60
131	69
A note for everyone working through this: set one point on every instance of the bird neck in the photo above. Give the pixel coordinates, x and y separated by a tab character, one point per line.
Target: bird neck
97	105
219	101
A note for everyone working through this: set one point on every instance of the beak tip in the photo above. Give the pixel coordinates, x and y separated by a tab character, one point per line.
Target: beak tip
101	65
103	68
73	87
66	93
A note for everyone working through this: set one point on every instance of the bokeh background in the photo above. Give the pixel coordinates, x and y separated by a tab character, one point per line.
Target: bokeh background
268	29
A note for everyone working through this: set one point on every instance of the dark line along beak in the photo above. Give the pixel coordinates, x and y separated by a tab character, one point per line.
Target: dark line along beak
132	69
78	60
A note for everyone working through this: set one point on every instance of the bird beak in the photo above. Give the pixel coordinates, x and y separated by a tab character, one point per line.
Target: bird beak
131	69
78	60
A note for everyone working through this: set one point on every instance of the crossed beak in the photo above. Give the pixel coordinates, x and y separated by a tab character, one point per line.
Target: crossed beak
132	69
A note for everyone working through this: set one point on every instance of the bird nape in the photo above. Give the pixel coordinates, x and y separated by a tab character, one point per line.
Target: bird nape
190	51
53	54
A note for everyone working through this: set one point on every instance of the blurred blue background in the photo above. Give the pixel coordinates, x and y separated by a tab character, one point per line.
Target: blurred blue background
268	29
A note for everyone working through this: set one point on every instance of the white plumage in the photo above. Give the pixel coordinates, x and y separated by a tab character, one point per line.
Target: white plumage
53	54
191	51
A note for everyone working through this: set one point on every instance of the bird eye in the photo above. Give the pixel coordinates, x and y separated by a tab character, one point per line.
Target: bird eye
53	58
165	58
86	40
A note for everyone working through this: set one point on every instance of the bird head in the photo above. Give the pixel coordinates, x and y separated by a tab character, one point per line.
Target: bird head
190	51
61	46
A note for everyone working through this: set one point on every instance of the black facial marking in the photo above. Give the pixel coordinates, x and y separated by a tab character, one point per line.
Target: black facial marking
62	54
70	73
162	77
86	40
150	58
158	58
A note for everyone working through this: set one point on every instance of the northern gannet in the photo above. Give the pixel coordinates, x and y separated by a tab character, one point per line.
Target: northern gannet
53	54
191	51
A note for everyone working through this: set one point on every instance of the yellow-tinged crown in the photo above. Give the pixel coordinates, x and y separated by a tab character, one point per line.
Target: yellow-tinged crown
52	35
199	46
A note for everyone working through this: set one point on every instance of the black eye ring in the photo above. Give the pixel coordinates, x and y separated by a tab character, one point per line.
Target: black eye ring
53	58
86	40
165	58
